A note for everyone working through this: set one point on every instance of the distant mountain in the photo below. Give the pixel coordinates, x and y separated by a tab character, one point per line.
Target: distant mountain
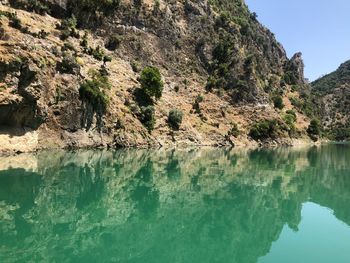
334	92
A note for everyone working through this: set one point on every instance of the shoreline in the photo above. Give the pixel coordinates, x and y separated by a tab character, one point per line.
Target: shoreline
294	143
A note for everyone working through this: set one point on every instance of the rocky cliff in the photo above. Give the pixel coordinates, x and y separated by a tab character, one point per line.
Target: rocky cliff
72	74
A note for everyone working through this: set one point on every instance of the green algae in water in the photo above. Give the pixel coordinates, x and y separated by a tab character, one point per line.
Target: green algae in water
208	205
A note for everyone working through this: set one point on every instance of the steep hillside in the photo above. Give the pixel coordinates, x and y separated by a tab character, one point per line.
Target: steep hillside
334	91
91	73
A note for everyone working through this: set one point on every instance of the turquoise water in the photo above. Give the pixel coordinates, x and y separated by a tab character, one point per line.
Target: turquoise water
208	205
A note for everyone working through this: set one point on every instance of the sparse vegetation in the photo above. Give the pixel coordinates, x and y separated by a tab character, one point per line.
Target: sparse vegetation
37	6
175	118
234	131
92	10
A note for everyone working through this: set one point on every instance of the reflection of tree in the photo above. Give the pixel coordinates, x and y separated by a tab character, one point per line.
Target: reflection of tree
204	205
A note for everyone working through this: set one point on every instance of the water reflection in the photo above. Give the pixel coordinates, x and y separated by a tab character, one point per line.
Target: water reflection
207	205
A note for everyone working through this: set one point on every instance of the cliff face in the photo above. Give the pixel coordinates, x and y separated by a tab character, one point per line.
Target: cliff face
334	92
220	67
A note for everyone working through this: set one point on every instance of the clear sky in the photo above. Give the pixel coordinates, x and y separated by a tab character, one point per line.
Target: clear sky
320	29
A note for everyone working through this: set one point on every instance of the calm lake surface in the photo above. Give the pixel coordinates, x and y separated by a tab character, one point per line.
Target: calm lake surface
203	205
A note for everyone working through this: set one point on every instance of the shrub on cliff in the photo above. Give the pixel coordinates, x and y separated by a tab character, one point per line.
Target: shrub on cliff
151	82
15	22
196	105
113	42
175	118
98	53
68	28
278	102
147	117
92	91
221	52
264	129
290	118
314	128
234	131
289	78
89	91
69	64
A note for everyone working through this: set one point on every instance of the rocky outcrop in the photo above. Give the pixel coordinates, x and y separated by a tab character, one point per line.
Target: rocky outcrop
296	66
22	109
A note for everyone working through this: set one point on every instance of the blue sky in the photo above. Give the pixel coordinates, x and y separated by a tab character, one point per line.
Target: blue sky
320	29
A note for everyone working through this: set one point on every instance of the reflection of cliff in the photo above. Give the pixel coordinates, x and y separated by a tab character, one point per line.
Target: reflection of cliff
333	174
168	206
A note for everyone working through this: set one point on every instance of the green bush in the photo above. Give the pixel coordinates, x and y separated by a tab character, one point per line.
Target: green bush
92	91
113	42
175	118
196	104
65	34
264	129
69	64
278	102
151	82
290	78
84	42
295	88
147	117
290	118
212	83
68	28
98	53
314	128
292	114
15	22
42	34
221	52
107	59
223	20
